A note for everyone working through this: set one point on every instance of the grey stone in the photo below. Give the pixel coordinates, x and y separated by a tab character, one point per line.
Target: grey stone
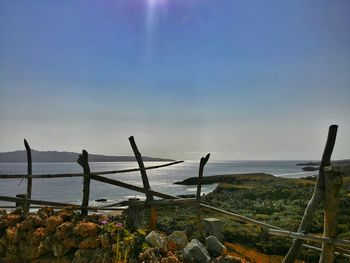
195	252
212	227
177	240
155	240
215	248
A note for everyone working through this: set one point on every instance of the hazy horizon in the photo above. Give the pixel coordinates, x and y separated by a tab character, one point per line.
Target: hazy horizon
242	80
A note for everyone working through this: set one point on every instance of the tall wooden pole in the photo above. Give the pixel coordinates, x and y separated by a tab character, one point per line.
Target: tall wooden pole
202	163
333	183
29	173
317	197
83	160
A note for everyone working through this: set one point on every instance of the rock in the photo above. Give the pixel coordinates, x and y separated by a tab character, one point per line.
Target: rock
150	255
37	236
45	245
64	230
59	249
228	259
101	200
27	251
215	248
310	168
212	227
66	214
33	221
45	211
52	223
96	218
71	243
9	220
91	255
171	258
89	242
86	229
177	240
155	240
11	233
195	252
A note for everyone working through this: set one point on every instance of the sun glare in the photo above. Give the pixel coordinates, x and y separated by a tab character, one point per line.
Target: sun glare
152	6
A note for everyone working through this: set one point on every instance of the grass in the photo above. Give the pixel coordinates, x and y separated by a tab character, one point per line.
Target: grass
277	201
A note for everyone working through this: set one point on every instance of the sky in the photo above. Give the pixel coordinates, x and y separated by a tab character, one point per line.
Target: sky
243	80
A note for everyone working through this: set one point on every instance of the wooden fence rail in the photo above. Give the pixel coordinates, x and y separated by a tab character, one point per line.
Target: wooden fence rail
330	245
87	175
41	176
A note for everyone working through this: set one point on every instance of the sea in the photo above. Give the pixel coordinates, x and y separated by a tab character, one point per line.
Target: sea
69	190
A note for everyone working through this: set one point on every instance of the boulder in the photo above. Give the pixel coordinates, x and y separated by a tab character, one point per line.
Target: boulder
71	243
64	230
37	236
46	245
90	242
195	252
59	249
177	240
86	229
156	241
52	223
33	221
9	220
215	248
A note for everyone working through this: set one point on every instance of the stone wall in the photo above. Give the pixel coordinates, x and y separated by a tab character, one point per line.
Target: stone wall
53	236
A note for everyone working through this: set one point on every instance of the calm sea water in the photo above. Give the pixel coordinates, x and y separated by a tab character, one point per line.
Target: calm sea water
162	179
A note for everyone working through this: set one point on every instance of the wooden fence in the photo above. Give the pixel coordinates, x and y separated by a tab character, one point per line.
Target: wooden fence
326	189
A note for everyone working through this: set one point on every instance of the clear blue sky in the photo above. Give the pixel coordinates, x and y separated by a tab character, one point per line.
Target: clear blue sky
240	79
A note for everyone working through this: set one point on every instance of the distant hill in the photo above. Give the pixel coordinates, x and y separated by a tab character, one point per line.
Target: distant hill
55	156
317	163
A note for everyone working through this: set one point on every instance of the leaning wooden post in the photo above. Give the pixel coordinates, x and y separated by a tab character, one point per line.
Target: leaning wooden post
333	183
29	176
139	160
149	197
202	163
317	197
83	160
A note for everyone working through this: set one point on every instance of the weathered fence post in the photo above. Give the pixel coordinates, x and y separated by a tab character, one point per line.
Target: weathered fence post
20	204
29	176
149	197
317	197
83	160
202	163
139	160
333	183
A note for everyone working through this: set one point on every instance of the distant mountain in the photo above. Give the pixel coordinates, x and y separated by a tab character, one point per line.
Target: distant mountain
55	156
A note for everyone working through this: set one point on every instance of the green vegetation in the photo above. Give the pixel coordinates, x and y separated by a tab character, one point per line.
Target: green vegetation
277	201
